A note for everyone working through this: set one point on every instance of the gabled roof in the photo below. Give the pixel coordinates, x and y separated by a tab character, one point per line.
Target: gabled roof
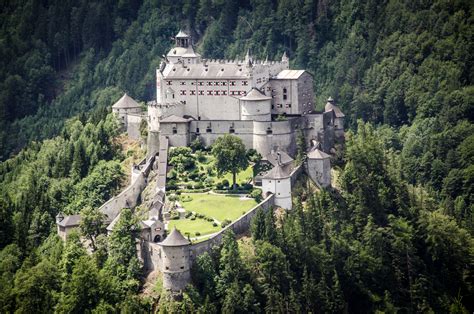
289	74
279	172
175	239
205	70
318	154
126	102
174	119
70	221
273	158
111	226
255	94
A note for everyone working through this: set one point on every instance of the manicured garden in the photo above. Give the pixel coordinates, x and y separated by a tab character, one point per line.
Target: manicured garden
208	213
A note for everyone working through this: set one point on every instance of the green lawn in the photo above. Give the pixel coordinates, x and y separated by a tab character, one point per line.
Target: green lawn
242	177
191	226
219	207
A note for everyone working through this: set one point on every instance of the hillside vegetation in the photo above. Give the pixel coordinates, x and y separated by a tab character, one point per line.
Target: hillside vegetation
398	236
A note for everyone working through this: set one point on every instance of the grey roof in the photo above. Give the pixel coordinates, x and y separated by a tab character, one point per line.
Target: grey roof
209	70
280	172
111	226
186	52
273	158
182	34
174	119
70	221
255	94
289	74
318	154
126	102
175	239
331	106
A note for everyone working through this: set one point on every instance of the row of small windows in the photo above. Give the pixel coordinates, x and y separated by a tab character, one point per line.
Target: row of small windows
279	106
210	83
212	93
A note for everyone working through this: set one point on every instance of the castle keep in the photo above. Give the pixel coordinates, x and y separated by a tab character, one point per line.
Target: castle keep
264	103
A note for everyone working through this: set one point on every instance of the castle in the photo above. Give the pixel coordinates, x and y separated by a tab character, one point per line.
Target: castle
264	103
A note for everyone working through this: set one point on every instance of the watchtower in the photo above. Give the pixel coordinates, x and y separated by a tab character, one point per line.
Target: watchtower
175	261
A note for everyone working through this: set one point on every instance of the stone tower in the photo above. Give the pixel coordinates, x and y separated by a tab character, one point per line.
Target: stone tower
338	118
319	167
175	261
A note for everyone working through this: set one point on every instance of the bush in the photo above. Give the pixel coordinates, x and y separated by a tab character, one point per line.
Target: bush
188	214
225	182
199	185
186	198
172	197
193	217
189	186
210	172
219	186
197	233
257	195
214	224
246	186
225	223
194	175
209	219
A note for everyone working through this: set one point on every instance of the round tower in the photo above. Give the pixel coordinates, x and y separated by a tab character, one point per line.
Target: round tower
175	261
256	106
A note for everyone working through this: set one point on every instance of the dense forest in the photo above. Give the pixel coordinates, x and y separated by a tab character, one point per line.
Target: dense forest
396	235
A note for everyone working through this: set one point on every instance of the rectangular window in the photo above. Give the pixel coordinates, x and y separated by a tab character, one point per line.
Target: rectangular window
209	83
201	92
269	88
216	93
209	93
197	130
182	83
168	83
200	83
193	83
182	92
284	97
288	105
279	105
224	83
273	106
209	130
232	83
193	92
245	83
224	92
216	84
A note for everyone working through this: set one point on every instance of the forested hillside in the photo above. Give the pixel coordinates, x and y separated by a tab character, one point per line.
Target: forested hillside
397	234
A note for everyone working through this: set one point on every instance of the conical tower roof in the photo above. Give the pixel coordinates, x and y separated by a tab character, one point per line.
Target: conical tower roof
255	94
175	239
126	102
318	154
330	105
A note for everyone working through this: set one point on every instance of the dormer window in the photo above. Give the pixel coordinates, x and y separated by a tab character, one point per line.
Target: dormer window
231	130
269	131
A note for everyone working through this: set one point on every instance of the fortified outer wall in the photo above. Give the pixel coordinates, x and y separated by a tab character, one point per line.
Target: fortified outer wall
239	226
130	196
152	256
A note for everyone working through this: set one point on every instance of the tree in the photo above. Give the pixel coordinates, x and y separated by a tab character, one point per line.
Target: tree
230	155
92	224
258	225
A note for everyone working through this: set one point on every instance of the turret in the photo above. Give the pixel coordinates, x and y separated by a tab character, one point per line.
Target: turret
319	167
338	118
255	106
175	261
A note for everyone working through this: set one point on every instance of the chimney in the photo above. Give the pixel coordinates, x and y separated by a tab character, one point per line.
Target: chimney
279	158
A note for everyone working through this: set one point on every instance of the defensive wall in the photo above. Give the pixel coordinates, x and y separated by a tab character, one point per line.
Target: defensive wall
153	260
129	197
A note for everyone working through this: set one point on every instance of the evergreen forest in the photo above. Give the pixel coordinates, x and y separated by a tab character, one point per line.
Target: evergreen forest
395	235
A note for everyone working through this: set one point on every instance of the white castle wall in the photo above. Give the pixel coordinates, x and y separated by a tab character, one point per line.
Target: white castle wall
133	125
130	196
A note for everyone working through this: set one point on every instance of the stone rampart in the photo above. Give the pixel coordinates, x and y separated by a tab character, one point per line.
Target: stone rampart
129	197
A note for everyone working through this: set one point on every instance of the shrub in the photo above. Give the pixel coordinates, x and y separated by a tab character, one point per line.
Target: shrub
173	197
214	224
199	185
188	214
194	175
225	182
257	195
210	172
225	223
246	186
209	219
219	186
197	233
193	217
189	186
